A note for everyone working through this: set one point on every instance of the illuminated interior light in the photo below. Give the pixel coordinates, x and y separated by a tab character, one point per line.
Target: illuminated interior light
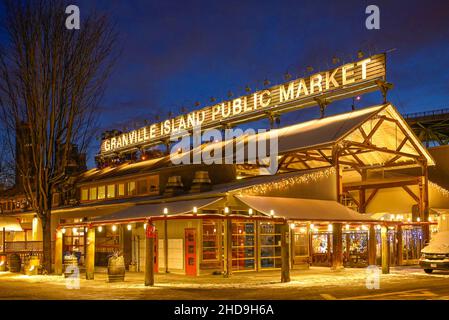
250	211
226	210
195	210
100	228
292	226
272	212
165	211
329	227
128	227
75	230
347	227
63	230
114	228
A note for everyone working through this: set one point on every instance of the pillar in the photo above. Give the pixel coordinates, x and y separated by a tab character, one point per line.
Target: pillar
337	246
90	254
58	252
399	250
149	255
166	245
285	253
228	248
385	250
372	246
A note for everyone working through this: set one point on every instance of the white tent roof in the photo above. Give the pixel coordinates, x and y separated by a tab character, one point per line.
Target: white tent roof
303	209
10	224
142	211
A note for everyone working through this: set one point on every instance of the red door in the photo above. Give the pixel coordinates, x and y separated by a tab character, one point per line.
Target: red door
190	251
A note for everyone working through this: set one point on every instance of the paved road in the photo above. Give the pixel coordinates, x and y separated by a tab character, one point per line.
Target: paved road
316	283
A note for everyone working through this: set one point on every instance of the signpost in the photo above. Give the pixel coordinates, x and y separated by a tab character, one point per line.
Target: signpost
318	89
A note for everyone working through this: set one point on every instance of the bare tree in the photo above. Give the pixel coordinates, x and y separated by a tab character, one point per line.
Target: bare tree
51	82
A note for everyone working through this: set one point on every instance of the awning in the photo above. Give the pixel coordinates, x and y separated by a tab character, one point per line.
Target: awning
10	224
143	211
304	209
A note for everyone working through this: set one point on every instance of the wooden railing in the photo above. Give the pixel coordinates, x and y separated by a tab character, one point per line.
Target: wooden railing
21	246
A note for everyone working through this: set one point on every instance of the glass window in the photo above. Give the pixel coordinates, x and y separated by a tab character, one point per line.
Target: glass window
131	188
210	240
101	192
93	193
270	245
153	183
142	186
111	191
300	241
121	189
84	194
243	240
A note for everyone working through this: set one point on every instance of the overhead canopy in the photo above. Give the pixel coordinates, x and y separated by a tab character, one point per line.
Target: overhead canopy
10	224
304	209
143	211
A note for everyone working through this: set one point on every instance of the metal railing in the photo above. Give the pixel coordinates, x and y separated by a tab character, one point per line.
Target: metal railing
431	113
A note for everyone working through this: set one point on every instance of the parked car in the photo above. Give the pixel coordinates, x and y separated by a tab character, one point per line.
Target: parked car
435	256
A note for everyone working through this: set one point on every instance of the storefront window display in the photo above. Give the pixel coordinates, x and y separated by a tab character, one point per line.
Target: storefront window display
270	245
243	245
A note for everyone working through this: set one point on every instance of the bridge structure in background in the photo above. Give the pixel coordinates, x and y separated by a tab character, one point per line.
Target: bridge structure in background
431	127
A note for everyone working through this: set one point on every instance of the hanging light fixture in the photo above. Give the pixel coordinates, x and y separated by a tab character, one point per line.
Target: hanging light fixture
129	227
114	228
100	228
165	211
226	210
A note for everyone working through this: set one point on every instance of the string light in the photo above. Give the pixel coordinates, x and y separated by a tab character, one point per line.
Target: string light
444	192
289	182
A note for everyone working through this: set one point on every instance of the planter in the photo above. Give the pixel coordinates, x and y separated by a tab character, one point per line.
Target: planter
2	262
15	263
32	265
116	269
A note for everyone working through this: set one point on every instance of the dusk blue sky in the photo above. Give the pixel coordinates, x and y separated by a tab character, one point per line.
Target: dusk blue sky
177	52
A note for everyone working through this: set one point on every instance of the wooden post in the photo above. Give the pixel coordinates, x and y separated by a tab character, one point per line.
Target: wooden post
166	245
58	252
372	246
385	250
90	254
149	255
228	248
425	205
399	249
4	240
285	253
337	246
